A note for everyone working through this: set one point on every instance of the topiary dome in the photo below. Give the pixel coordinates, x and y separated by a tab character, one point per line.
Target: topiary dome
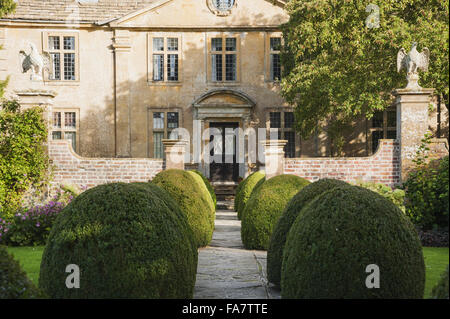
245	189
128	240
295	205
14	283
208	186
440	291
190	193
264	208
340	233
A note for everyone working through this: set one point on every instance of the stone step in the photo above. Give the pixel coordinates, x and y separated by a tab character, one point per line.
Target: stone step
225	205
225	191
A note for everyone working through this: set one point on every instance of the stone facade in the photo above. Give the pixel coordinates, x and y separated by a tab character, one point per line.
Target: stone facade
112	91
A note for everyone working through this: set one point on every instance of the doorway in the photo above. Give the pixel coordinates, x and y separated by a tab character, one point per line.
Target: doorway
224	166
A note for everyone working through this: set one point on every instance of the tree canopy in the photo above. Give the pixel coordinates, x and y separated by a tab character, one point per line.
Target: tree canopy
340	55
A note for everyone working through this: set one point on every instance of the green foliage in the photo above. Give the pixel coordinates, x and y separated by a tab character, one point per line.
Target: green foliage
245	189
14	283
6	7
129	240
264	208
31	226
23	159
427	191
205	196
396	196
337	67
440	291
289	215
340	233
190	193
422	156
209	186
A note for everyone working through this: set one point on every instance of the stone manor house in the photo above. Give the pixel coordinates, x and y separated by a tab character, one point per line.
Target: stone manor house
117	76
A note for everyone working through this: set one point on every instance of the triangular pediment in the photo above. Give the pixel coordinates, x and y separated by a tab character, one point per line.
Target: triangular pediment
197	14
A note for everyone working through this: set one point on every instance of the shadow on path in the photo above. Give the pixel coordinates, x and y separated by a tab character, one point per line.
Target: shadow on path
226	270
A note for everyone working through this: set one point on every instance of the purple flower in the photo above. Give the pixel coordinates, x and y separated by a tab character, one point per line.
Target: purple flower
38	225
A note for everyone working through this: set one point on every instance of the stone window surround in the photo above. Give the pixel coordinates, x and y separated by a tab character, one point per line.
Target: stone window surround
63	129
164	35
45	48
283	129
150	111
267	53
223	35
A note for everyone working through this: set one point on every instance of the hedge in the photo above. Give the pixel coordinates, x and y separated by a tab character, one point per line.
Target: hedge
208	186
128	240
14	283
245	189
338	235
427	195
440	291
290	213
192	196
264	208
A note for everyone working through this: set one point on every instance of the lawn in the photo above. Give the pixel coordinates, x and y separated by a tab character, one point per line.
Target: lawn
30	260
436	259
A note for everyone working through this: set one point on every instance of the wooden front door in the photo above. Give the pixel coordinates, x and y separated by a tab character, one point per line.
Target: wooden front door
224	166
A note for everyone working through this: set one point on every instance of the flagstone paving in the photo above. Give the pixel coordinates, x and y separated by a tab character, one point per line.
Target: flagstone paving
228	271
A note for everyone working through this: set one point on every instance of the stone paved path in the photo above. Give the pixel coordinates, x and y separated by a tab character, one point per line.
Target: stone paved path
226	270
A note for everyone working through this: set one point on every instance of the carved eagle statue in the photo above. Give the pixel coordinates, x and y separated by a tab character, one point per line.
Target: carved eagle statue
35	62
413	62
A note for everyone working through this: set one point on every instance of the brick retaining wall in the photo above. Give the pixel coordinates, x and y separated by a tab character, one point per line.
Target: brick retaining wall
382	167
70	168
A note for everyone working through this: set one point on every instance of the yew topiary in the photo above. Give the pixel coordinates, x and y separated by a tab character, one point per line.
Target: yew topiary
338	235
208	186
290	213
245	189
440	291
128	240
192	196
264	208
14	283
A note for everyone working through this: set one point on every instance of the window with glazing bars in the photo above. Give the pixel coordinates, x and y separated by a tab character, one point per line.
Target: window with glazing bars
165	59
289	148
65	127
383	126
275	60
281	126
163	124
62	50
223	59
